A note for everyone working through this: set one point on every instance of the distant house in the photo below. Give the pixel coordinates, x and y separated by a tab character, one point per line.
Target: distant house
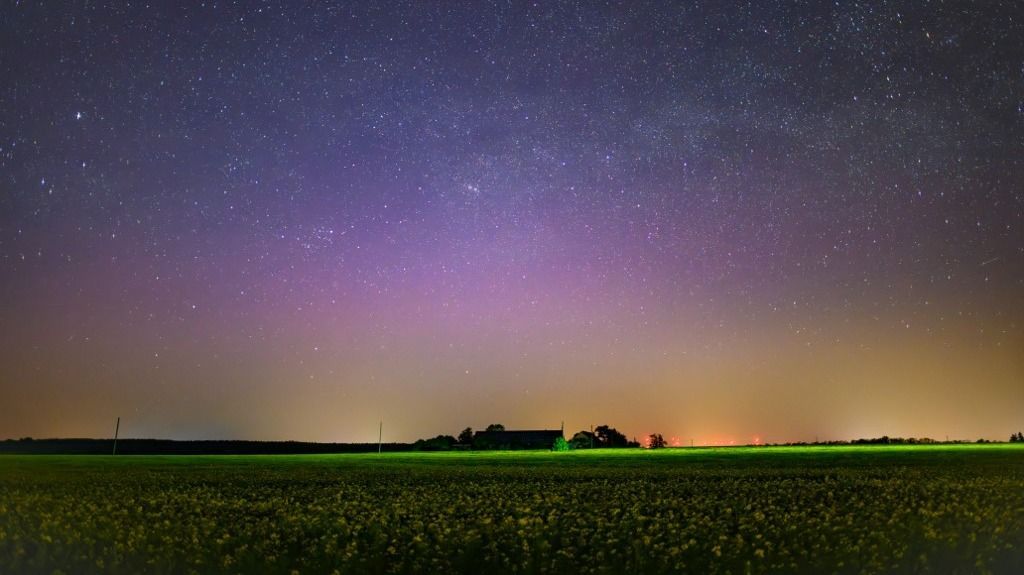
516	439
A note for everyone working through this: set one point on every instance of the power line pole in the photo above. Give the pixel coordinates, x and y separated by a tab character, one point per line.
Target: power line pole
117	428
380	436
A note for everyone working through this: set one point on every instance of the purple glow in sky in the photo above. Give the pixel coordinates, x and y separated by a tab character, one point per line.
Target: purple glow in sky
719	222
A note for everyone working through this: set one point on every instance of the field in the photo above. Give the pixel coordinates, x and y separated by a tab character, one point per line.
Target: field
908	509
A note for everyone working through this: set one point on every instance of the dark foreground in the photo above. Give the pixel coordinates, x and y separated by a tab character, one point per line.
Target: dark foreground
817	510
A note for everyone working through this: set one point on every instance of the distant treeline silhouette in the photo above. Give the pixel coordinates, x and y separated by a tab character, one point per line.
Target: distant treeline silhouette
884	440
496	437
79	446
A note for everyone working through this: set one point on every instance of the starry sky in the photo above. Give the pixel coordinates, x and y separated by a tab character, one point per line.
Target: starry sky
722	222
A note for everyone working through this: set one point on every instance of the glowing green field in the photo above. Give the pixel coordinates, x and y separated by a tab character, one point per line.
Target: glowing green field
828	509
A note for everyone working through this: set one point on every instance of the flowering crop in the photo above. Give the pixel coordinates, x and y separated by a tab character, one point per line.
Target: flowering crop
765	510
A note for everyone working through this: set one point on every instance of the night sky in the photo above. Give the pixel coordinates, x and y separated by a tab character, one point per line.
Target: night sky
756	221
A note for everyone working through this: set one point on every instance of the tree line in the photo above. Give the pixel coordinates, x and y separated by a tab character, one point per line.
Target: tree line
602	436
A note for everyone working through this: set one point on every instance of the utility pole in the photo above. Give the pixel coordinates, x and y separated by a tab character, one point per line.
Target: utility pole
380	436
117	428
591	435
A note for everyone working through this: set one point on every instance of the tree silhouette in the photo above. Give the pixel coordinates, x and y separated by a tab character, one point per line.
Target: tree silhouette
655	441
606	436
495	427
466	436
439	443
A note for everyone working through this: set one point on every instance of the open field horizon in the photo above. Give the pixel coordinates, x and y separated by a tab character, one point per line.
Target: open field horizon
738	454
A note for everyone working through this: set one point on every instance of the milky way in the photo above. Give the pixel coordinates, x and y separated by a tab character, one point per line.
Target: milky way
726	223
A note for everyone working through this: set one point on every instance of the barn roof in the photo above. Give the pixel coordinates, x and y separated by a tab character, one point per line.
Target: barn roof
520	437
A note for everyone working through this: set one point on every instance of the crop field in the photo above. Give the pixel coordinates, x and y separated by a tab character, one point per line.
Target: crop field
920	509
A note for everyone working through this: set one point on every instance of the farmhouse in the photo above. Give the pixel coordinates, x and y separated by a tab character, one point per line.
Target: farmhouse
516	439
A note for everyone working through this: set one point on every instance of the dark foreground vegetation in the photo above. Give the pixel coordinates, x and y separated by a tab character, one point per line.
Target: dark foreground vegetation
912	509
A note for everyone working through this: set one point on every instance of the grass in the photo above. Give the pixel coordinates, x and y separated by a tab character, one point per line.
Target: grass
938	508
